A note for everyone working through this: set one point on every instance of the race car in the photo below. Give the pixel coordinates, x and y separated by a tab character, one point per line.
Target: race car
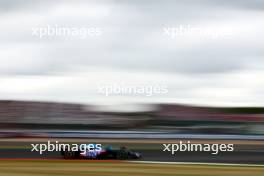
105	153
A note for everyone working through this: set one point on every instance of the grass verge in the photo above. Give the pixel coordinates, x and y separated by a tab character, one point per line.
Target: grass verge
30	167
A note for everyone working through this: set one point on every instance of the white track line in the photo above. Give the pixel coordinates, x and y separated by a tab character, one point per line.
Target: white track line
196	163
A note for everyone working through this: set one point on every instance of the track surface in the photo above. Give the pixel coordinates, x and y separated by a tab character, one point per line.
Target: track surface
233	157
252	154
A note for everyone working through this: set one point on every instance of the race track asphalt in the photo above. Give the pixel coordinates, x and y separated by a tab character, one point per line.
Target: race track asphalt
253	154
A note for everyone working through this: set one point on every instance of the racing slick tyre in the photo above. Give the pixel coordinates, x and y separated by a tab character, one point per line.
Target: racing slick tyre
122	154
69	155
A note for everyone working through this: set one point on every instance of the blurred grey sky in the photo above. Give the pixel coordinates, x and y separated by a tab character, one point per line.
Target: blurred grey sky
224	71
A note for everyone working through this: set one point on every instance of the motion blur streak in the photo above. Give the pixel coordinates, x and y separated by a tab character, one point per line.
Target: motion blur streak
132	75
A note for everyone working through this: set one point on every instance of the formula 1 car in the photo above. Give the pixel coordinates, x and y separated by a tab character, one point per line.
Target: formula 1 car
108	153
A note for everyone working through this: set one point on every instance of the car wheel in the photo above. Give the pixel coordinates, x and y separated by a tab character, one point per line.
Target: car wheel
122	155
69	154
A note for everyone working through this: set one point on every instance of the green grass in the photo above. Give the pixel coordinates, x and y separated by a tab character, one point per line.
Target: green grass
102	168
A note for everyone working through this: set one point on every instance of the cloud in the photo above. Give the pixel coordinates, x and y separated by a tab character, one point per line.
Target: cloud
133	42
